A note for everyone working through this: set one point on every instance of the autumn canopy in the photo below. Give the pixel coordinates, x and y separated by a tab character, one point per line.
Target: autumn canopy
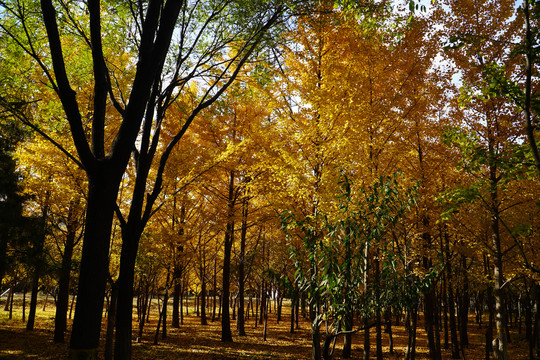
356	165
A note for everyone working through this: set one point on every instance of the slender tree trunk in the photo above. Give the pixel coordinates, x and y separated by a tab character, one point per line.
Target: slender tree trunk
388	329
38	263
46	299
378	317
234	300
182	303
315	338
491	309
367	341
265	328
536	333
164	309
279	301
347	338
297	312
33	301
411	326
527	304
176	303
62	302
241	277
214	290
226	334
111	318
430	312
145	305
529	72
203	296
263	302
293	300
500	342
24	304
464	307
72	305
257	300
11	304
8	300
445	307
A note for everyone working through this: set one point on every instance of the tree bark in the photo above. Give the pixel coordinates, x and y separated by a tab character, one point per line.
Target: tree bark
94	267
454	343
226	334
176	304
241	277
62	303
111	318
33	301
500	342
464	305
536	333
203	294
410	326
38	236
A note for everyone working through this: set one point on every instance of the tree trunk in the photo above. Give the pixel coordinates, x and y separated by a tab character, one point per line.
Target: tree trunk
378	318
453	328
500	342
94	267
279	307
11	304
450	300
33	301
388	329
367	340
293	300
263	302
429	319
315	339
464	306
214	290
241	277
111	318
37	255
62	302
145	305
182	303
527	304
8	300
411	326
203	296
445	307
536	333
176	303
164	309
124	321
24	304
430	312
265	328
226	334
46	300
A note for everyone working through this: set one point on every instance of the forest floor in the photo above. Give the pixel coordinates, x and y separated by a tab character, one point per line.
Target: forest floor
194	341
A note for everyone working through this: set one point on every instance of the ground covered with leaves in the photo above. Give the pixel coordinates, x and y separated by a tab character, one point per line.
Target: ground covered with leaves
195	341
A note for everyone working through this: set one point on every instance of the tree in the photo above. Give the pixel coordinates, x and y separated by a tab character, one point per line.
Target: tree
11	198
488	153
328	252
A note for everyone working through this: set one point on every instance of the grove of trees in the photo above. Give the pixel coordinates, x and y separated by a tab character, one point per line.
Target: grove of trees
369	161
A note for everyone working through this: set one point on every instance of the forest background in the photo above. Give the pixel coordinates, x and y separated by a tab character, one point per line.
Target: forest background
364	160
